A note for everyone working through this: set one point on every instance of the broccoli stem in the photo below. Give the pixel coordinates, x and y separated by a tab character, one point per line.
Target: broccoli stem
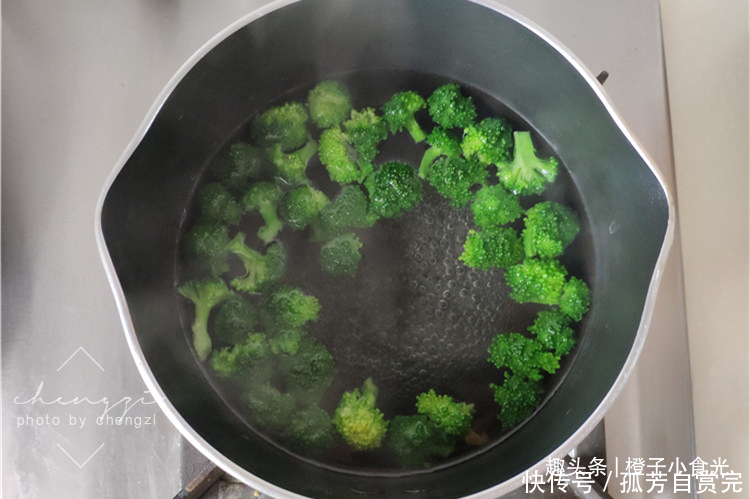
272	224
415	130
201	338
429	157
253	262
369	392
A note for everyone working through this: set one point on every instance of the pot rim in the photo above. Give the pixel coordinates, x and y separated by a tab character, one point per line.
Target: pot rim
271	489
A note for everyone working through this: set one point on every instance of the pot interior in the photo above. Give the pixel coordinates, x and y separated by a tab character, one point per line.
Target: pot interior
380	47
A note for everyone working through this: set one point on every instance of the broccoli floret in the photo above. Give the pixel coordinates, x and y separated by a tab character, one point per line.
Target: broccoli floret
454	177
493	206
264	196
218	204
260	270
416	442
310	430
299	207
205	294
348	211
232	361
575	299
292	307
454	418
366	130
268	407
488	141
340	255
526	173
286	340
449	108
358	421
394	189
291	166
329	103
552	329
522	355
235	320
517	396
549	228
442	143
208	242
492	248
241	164
285	125
399	112
342	161
310	367
536	281
211	242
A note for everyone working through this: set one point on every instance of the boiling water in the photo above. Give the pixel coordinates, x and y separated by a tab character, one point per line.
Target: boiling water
414	317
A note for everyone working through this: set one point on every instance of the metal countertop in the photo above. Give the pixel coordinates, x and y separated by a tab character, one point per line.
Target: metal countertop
78	79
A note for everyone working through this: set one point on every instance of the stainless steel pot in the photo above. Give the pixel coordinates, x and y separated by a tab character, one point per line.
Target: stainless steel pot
291	44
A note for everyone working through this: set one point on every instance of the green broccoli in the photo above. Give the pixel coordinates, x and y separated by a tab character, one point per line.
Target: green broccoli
518	397
291	166
522	355
575	299
492	248
454	418
292	307
454	177
549	228
416	442
552	329
205	293
399	113
286	340
240	358
218	204
526	173
493	206
285	125
348	211
449	108
310	430
536	281
329	103
240	165
264	196
366	130
488	141
310	367
299	207
342	161
358	421
235	320
340	255
260	269
394	189
442	142
208	242
268	407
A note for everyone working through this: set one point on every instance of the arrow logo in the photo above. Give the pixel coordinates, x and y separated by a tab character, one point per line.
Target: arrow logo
87	354
86	461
